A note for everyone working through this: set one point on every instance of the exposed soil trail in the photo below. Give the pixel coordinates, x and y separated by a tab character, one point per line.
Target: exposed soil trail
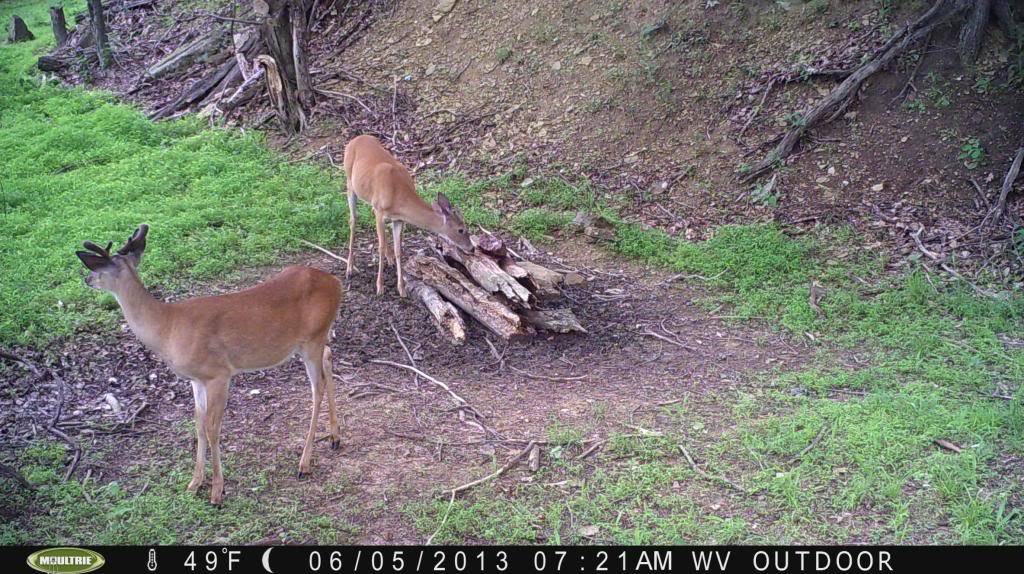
404	443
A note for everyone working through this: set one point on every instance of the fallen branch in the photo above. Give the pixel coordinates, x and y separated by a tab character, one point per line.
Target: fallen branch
508	466
1008	181
650	333
708	476
839	98
814	442
330	254
547	377
446	316
461	403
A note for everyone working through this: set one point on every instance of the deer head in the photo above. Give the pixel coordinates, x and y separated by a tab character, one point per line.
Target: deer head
453	227
108	271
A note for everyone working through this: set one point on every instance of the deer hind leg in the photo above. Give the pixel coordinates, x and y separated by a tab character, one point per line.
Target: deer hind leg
216	400
199	474
350	266
313	358
384	248
328	375
396	236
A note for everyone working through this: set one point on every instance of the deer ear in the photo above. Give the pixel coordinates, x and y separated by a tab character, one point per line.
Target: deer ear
92	261
442	205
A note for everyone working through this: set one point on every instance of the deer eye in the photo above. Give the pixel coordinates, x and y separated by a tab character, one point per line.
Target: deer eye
462	231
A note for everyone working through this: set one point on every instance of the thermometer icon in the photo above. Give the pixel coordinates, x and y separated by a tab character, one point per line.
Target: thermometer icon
151	564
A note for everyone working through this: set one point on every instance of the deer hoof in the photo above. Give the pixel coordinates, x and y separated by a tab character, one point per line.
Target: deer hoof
217	496
335	444
194	485
300	475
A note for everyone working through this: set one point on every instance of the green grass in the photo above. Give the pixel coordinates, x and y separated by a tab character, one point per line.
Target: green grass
76	166
155	508
929	359
899	360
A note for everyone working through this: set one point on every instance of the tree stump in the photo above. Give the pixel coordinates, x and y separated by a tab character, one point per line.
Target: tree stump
59	25
99	32
18	31
509	298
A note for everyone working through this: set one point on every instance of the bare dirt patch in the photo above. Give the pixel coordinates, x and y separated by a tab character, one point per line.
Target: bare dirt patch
404	442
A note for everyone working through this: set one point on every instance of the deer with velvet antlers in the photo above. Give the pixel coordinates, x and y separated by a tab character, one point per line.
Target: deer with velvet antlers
208	340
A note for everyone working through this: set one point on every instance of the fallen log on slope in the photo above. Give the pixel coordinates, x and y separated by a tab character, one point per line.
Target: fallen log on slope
833	104
502	294
199	49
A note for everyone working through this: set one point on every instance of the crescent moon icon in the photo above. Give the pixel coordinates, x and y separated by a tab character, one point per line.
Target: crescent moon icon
266	560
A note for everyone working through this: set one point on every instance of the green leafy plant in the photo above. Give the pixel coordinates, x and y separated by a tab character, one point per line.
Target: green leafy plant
914	105
972	153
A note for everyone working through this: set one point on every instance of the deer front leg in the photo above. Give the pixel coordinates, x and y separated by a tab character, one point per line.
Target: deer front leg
328	376
216	400
350	266
382	246
396	236
199	474
313	359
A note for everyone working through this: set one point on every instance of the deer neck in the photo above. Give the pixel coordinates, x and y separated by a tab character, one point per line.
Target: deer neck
420	214
143	312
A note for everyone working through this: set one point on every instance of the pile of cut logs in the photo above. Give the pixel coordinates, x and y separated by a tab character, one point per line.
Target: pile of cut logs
505	293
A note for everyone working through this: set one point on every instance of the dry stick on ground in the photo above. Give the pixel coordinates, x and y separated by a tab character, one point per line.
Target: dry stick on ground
330	254
814	442
708	476
1011	176
546	377
459	401
412	361
19	360
838	99
55	419
909	85
451	502
753	114
945	267
650	333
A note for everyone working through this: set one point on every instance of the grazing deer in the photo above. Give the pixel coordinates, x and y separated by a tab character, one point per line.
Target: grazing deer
210	339
376	177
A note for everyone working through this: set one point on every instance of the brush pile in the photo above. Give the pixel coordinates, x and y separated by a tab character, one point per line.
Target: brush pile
505	293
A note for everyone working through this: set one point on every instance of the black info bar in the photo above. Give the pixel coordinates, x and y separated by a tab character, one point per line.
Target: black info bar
512	559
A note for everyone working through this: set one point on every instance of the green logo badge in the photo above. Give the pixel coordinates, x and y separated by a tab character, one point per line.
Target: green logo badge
65	560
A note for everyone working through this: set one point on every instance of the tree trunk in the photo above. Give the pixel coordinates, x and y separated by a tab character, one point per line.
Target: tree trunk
278	32
59	25
18	31
99	32
1005	17
973	31
300	44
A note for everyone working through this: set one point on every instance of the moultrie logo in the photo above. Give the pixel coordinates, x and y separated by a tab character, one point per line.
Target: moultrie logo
65	560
